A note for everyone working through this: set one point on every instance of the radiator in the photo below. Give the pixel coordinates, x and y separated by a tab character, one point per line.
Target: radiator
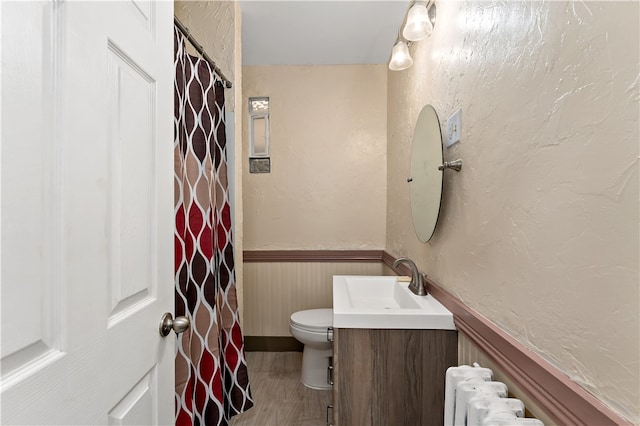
472	398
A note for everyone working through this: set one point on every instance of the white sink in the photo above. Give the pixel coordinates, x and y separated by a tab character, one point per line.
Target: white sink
383	302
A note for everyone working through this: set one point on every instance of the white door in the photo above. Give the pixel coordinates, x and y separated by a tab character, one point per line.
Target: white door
87	212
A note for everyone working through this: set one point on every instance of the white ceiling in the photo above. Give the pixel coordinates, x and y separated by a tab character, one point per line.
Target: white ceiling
304	32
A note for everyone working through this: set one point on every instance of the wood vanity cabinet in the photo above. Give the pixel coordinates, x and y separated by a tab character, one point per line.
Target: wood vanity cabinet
391	377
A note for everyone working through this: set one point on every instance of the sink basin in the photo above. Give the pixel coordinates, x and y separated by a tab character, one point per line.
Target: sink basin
384	302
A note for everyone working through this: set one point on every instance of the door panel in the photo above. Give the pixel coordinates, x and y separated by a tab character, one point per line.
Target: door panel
31	221
87	212
138	406
132	189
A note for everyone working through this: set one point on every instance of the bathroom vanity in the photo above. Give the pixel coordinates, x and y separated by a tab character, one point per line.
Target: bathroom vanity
390	377
391	350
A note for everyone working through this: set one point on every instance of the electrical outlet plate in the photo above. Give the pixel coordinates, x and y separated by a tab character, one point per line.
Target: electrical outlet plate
454	128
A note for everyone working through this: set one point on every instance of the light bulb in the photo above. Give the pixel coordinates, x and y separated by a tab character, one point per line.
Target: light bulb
400	57
418	24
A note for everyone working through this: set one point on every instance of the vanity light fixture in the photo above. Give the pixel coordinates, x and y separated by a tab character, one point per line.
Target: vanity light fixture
400	57
417	25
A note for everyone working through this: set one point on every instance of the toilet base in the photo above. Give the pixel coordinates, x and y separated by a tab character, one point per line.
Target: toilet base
315	365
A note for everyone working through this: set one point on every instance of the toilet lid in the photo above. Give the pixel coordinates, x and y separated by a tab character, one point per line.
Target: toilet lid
313	319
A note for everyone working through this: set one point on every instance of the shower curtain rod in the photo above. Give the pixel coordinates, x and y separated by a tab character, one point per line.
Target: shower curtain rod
184	30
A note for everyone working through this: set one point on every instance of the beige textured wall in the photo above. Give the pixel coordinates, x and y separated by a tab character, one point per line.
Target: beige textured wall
213	24
540	230
237	169
327	185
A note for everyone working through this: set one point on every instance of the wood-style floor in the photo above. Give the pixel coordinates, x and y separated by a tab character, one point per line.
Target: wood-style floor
280	398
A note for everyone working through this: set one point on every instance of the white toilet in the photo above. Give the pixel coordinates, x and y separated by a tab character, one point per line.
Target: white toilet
310	328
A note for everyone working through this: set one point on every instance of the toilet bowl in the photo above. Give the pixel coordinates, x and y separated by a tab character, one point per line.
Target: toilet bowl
310	328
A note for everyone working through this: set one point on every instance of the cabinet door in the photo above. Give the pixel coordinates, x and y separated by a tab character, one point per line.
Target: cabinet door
353	378
409	368
387	377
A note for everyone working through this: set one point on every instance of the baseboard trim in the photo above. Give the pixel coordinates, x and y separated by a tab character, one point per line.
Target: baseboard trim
272	344
312	255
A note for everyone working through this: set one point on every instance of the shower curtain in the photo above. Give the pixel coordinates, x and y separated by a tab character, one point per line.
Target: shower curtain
212	383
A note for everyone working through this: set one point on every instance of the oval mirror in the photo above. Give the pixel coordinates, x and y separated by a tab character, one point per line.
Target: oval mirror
426	180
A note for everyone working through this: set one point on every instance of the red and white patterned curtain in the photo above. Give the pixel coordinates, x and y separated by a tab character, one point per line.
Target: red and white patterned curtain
212	383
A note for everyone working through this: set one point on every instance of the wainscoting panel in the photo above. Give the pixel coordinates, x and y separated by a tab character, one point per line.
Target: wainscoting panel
274	290
278	283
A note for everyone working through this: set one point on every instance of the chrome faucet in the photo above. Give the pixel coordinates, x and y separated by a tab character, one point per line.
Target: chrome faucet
416	285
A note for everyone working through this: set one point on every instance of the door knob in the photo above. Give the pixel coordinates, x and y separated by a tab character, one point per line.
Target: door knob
167	323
